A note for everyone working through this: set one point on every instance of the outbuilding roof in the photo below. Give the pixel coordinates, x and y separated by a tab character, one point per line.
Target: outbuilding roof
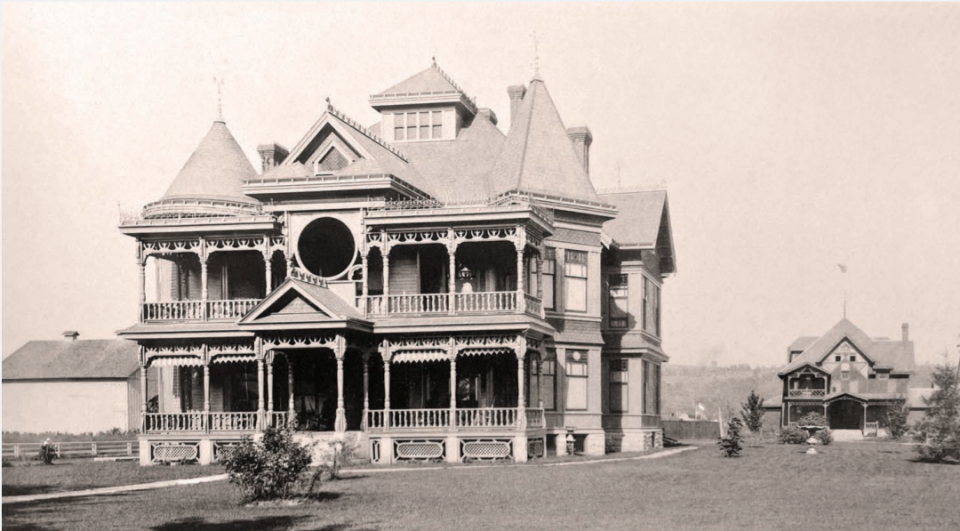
895	354
68	360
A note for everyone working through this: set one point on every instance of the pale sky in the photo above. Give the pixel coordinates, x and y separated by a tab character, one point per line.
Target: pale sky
790	138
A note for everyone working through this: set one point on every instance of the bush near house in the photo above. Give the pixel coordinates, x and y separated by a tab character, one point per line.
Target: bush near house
793	435
939	431
897	425
813	419
825	436
269	468
730	445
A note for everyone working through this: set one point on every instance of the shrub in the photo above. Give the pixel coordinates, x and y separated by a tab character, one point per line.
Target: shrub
825	436
730	445
793	435
939	431
897	425
340	452
267	469
813	419
48	452
753	412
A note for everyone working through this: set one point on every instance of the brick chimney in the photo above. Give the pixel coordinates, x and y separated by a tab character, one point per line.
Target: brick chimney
516	93
905	328
272	155
71	335
582	138
488	114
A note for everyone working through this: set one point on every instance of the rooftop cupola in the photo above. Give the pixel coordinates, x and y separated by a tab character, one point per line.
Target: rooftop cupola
426	106
210	181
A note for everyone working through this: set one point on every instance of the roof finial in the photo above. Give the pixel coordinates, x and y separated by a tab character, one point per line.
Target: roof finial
218	80
536	53
434	59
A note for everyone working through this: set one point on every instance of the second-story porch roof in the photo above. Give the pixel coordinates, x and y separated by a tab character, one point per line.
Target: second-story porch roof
297	304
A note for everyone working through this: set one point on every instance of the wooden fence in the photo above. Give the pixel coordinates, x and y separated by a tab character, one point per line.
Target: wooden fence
75	449
690	429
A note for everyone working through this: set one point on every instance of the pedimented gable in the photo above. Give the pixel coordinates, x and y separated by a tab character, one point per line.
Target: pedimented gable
847	352
297	302
329	133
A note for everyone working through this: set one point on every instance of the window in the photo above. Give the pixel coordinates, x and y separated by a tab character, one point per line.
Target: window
844	375
651	388
853	358
656	302
618	385
398	126
549	277
646	294
576	379
618	302
548	384
837	358
575	271
424	125
651	307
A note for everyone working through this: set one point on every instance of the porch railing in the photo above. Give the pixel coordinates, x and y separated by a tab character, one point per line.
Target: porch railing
419	418
486	301
418	303
532	305
234	421
174	422
230	309
194	310
536	418
806	392
498	417
277	419
173	311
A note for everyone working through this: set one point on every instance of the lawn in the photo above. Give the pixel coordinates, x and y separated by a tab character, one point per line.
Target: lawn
873	486
33	477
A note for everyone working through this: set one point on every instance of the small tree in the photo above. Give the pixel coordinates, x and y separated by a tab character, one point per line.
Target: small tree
269	468
940	428
730	445
753	412
897	420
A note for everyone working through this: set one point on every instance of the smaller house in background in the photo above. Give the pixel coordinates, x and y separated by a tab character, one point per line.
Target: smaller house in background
71	386
849	377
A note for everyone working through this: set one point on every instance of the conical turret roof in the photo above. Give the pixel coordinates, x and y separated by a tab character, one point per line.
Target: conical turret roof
215	170
537	155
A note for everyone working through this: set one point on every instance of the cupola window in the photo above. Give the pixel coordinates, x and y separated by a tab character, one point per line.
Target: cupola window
422	125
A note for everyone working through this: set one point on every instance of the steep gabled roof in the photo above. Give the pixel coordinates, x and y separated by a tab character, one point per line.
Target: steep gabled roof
896	354
537	155
643	221
215	170
80	359
457	169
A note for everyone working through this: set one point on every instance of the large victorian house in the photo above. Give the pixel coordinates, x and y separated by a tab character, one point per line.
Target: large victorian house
848	377
425	288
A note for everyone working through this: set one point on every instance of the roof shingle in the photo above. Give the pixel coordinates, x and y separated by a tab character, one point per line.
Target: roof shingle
80	359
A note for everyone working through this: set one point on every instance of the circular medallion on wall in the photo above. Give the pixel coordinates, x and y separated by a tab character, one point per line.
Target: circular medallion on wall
326	247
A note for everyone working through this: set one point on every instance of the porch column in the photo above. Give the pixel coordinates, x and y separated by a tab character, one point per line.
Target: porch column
386	394
259	394
452	281
289	264
539	379
452	443
142	267
270	389
204	293
521	373
366	385
206	395
825	412
340	424
385	252
143	397
364	253
293	412
521	300
453	389
540	285
268	268
864	428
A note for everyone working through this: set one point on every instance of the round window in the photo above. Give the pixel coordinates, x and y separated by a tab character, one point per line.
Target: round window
326	247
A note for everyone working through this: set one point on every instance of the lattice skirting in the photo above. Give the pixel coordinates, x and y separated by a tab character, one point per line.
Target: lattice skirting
536	448
486	449
169	452
419	449
223	449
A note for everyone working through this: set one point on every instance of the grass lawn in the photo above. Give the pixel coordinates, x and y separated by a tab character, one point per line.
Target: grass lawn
873	486
33	477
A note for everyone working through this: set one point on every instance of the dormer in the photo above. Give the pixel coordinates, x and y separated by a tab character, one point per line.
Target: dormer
428	106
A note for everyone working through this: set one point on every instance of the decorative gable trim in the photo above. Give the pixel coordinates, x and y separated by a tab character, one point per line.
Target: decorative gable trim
289	286
847	340
341	125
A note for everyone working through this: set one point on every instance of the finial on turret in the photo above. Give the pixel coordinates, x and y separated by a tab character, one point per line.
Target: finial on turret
218	80
536	54
434	59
